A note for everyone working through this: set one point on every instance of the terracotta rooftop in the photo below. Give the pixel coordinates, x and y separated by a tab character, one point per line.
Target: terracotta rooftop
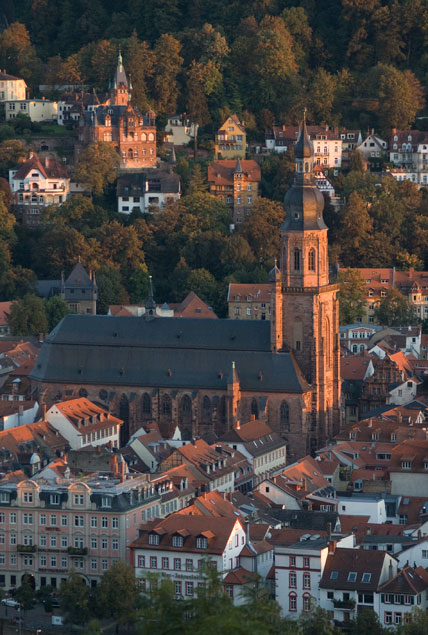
408	581
221	172
82	413
354	367
240	292
216	530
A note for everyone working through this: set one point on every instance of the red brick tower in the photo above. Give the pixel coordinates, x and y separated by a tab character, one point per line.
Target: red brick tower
306	319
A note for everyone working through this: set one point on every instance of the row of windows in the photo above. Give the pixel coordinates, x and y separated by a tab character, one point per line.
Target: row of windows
175	564
55	520
306	580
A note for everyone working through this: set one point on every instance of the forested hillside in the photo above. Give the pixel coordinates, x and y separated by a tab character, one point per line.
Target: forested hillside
351	62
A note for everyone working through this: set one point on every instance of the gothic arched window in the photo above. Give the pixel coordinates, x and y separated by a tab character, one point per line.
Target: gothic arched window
311	260
297	260
206	410
254	408
166	407
284	417
147	404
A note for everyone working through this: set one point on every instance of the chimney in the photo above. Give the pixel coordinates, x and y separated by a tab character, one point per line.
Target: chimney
114	466
368	531
253	417
44	412
331	547
218	449
329	532
394	131
390	570
238	425
122	469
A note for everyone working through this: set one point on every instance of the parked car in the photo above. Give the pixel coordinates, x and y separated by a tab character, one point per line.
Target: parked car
10	602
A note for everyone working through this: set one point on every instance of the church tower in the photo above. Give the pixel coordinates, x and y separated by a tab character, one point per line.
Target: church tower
306	319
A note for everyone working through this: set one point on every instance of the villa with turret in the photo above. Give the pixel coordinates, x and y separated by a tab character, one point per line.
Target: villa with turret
121	124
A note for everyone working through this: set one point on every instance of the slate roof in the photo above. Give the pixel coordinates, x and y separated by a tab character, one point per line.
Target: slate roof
361	561
167	352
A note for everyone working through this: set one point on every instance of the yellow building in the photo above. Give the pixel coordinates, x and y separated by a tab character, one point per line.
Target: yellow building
237	183
231	140
12	87
36	109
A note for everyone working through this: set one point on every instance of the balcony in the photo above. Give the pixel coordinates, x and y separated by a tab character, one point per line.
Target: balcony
26	548
344	604
77	551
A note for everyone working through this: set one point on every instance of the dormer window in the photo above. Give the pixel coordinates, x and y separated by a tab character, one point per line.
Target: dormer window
202	542
54	499
105	501
27	497
406	464
177	541
4	497
153	539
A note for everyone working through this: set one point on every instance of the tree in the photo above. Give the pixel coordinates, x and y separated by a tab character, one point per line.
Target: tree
121	246
354	230
351	295
12	152
56	309
25	594
400	96
17	54
367	622
118	595
197	181
316	622
58	249
110	289
74	597
96	166
140	65
261	230
168	66
418	624
197	104
28	316
395	310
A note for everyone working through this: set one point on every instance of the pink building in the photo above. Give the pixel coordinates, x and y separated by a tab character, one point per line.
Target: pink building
48	526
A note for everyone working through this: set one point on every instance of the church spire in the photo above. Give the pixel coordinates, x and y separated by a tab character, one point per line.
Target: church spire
150	304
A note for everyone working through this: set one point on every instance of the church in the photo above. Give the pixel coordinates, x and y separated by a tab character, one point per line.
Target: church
121	124
208	375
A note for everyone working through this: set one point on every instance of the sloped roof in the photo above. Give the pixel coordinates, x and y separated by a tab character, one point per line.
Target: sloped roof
354	367
84	413
361	561
79	278
190	527
48	167
408	581
256	292
221	172
127	351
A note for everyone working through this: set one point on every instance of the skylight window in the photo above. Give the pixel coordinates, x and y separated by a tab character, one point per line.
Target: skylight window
366	577
334	575
352	576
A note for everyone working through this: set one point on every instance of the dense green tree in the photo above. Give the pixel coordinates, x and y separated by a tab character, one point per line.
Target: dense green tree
395	310
56	308
118	595
351	295
168	66
28	316
354	231
74	597
96	166
261	230
140	63
59	249
25	594
12	152
17	54
367	622
110	289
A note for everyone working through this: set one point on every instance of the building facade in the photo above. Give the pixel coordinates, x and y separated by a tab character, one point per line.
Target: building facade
205	375
249	301
327	143
237	184
147	191
132	134
46	529
12	87
37	184
36	109
231	140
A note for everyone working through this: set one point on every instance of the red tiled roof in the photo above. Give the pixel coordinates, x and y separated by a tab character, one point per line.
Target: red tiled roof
256	292
82	412
353	367
190	527
221	172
